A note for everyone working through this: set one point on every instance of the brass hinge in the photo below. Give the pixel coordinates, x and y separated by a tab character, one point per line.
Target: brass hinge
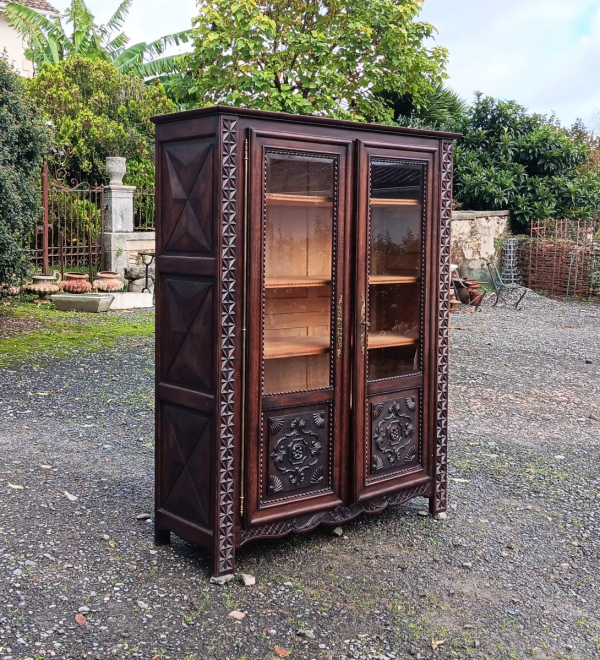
241	505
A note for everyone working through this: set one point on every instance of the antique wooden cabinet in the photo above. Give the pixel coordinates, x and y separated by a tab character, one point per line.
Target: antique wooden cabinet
302	323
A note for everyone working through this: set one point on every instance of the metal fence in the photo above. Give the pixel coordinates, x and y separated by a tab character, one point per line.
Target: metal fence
562	258
69	237
143	210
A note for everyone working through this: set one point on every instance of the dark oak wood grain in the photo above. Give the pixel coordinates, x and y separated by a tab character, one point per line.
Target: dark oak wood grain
237	460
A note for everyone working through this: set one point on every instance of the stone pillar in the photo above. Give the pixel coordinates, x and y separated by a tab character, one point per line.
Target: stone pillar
118	223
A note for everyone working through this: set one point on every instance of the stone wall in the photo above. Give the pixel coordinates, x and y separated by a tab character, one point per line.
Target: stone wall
474	235
121	249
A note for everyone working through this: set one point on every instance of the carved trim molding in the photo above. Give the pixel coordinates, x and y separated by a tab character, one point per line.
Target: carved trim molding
335	516
229	203
440	499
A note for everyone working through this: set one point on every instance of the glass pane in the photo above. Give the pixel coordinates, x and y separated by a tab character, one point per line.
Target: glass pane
395	287
298	265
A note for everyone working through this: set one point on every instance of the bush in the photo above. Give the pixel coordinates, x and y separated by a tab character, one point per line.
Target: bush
23	141
510	159
98	112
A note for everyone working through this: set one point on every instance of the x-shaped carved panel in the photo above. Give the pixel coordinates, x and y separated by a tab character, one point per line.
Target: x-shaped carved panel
188	212
186	473
188	356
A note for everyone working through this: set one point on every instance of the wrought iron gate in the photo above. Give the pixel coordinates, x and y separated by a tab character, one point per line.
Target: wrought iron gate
70	235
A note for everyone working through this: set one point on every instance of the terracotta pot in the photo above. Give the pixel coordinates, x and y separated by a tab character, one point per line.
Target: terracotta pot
476	296
76	283
44	284
108	281
463	296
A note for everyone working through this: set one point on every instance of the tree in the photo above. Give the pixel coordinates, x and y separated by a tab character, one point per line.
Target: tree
49	42
511	159
591	141
327	57
98	112
441	109
24	139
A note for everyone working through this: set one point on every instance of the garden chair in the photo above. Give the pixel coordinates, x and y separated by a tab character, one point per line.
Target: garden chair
504	292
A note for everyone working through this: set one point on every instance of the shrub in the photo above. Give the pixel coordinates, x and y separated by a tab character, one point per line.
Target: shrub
98	112
511	159
23	140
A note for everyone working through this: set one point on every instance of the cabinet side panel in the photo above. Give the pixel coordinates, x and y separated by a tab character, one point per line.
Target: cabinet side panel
439	501
187	296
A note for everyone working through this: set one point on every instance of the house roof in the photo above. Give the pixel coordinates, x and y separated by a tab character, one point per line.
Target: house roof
41	5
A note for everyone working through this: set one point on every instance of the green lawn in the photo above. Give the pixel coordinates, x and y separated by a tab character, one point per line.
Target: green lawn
30	332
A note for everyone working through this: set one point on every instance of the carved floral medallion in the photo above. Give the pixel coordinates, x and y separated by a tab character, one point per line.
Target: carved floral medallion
297	452
394	436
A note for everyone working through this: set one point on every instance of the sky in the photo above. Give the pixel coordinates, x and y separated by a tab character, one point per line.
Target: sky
545	54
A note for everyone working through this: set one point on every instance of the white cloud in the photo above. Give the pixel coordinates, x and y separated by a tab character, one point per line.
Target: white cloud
545	54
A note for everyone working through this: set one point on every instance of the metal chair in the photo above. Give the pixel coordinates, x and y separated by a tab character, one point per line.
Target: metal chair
505	292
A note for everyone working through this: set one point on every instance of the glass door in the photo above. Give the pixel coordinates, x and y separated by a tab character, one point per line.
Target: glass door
392	334
395	269
298	268
297	260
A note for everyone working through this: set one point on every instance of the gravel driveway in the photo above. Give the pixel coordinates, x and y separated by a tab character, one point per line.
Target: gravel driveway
513	572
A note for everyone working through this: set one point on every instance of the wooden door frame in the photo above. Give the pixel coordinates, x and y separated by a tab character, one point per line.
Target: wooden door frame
362	392
337	396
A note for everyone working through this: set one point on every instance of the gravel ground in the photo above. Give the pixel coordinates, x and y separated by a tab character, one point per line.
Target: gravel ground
512	573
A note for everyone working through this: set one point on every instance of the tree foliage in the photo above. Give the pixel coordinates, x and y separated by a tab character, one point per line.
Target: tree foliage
325	57
24	139
511	159
591	142
441	109
97	112
50	43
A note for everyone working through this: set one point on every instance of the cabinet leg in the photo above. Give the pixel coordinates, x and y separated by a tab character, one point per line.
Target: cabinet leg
437	511
162	536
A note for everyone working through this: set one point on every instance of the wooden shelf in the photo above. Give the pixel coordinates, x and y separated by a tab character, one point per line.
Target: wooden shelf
295	282
383	201
392	279
297	346
386	341
277	199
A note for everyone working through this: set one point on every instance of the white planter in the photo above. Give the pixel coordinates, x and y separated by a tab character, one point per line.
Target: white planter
116	168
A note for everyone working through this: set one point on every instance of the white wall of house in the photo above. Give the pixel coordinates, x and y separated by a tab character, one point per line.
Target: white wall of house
15	46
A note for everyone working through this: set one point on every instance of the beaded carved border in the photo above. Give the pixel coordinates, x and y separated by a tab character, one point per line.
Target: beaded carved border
441	455
226	507
335	158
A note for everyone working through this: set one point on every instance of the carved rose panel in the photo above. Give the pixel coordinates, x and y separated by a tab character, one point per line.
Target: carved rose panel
395	441
298	459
